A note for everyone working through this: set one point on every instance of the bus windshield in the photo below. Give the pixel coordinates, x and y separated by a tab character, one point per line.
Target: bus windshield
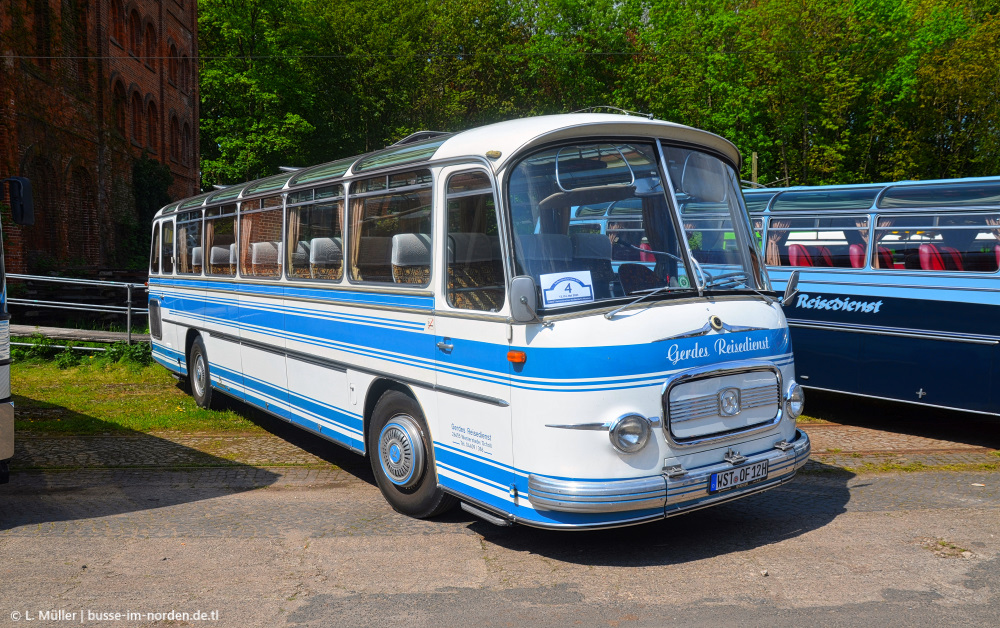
594	221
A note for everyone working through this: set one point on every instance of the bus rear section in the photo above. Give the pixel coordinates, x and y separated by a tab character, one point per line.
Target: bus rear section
439	307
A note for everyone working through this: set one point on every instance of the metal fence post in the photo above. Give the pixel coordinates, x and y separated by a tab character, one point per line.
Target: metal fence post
128	316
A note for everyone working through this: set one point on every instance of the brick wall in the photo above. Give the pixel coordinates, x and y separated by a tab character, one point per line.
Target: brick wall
86	87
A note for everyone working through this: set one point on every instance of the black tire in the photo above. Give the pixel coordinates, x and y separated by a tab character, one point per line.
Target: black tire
402	458
199	378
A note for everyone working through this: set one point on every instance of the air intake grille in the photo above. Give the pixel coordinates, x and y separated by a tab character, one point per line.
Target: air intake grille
708	405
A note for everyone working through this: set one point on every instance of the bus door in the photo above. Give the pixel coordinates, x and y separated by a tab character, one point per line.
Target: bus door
472	439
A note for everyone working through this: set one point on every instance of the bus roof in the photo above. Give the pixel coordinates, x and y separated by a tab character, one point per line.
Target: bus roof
498	143
969	192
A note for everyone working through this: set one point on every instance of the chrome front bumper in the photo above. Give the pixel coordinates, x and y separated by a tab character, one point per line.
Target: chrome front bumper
675	494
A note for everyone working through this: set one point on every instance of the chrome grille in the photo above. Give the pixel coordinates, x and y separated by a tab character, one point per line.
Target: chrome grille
708	405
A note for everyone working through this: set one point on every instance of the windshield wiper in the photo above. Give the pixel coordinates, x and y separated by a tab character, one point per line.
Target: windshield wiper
648	293
733	280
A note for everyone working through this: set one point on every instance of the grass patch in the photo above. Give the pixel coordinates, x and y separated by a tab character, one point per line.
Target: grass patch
98	395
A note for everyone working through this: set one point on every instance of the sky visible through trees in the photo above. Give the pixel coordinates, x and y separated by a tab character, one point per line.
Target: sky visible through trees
825	91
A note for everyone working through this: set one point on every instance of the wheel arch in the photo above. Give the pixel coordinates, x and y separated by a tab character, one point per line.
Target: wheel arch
188	341
375	391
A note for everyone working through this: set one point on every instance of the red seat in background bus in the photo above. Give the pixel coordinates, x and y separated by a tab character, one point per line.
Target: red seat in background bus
857	254
947	258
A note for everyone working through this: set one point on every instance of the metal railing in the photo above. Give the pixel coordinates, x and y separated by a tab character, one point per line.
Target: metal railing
128	309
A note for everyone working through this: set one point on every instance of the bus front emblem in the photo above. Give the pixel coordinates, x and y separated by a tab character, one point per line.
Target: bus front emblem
729	402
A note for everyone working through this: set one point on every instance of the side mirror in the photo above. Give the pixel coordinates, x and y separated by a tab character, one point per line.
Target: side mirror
791	288
22	207
523	300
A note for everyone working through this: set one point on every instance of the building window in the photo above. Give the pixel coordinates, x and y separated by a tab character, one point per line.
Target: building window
151	123
186	157
185	74
117	21
134	33
43	34
175	139
149	46
172	65
136	107
118	107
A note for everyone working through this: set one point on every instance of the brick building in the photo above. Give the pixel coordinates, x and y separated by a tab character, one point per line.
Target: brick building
86	89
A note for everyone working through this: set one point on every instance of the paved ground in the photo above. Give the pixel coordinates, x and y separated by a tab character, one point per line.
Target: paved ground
213	523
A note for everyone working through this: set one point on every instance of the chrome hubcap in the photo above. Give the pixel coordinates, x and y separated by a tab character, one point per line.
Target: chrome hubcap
401	451
199	374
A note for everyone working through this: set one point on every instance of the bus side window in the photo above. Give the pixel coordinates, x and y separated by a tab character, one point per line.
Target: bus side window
839	242
167	248
315	239
940	242
390	229
220	241
189	251
260	237
475	265
154	255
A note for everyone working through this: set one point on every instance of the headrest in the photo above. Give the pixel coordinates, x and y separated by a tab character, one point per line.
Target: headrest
469	248
546	246
264	252
324	250
591	246
219	255
411	249
196	256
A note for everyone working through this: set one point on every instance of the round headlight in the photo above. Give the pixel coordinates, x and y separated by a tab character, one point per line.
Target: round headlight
795	400
630	433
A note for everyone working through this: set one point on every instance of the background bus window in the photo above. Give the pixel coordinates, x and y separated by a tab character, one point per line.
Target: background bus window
939	242
220	240
260	238
154	255
475	264
839	242
390	223
189	251
167	248
315	237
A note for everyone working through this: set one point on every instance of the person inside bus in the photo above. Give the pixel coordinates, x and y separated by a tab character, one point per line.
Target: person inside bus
621	247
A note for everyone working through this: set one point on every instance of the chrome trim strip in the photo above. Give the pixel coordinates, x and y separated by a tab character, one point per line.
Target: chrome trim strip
654	421
914	403
884	331
710	371
593	497
343	367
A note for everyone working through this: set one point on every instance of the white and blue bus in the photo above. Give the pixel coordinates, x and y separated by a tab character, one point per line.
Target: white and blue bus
23	213
900	287
429	306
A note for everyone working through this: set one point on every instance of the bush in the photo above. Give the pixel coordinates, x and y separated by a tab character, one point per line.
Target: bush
139	353
67	358
41	349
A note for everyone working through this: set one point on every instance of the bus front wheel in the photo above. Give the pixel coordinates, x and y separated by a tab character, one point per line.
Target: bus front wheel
198	374
401	458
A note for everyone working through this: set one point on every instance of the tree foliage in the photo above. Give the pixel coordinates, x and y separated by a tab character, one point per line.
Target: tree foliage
823	91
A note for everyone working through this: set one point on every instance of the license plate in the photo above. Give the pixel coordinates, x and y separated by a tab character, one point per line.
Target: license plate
740	476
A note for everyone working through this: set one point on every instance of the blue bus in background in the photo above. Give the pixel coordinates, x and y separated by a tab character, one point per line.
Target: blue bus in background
900	290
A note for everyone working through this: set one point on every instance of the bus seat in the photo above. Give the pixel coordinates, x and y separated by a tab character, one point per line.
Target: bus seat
635	277
798	255
411	258
544	253
885	258
300	260
196	259
475	272
218	260
945	258
326	258
592	251
857	253
996	250
375	259
264	259
822	255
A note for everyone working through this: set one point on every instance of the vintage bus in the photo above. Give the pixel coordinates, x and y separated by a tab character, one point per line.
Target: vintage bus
900	288
23	213
428	305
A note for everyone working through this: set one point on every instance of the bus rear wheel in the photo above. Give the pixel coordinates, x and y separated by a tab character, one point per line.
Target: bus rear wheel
402	459
199	377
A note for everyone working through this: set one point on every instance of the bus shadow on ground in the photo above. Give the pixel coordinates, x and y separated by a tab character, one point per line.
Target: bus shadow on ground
966	428
69	477
808	502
